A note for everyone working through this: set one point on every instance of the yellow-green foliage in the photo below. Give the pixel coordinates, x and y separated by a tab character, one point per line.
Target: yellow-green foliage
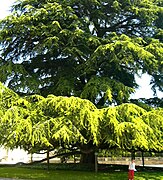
125	128
154	119
39	122
69	116
7	97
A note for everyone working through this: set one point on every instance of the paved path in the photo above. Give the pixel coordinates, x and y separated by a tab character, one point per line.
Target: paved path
158	165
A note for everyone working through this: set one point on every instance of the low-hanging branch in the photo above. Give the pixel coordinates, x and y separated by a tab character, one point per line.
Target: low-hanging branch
66	154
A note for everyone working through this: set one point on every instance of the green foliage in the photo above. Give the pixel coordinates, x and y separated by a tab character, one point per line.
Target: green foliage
154	119
148	104
113	90
37	123
7	97
70	115
90	49
125	127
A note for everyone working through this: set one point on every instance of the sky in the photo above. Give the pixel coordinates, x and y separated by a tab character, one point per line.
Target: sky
144	91
4	7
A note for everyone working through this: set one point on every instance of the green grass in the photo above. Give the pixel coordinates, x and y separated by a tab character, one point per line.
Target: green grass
40	174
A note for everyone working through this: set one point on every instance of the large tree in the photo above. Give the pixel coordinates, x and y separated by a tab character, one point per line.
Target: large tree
90	49
36	123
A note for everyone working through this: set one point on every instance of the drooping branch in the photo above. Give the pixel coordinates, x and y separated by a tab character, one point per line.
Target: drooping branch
57	155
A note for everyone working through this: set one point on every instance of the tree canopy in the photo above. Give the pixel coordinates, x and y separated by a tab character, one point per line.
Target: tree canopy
67	62
91	49
37	123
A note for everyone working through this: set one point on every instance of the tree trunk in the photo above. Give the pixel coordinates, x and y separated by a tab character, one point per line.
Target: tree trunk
132	155
88	153
142	158
31	157
87	158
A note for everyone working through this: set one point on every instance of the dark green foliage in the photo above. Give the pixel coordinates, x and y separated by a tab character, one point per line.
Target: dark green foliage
90	49
148	104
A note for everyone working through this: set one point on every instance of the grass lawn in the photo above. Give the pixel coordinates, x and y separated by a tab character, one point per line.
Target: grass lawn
40	174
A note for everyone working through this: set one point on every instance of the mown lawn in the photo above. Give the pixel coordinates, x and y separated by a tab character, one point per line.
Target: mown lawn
39	174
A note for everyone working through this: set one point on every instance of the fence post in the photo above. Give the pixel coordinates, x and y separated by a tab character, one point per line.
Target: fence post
96	162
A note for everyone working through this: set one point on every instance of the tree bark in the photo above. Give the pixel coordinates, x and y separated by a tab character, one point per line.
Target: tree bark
87	158
132	155
31	157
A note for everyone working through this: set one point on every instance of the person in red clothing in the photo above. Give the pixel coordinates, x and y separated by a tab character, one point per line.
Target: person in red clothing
131	170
